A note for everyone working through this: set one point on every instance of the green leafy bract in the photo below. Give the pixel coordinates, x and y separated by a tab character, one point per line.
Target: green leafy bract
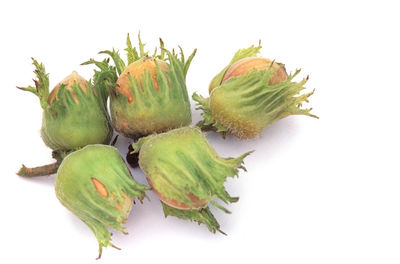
251	51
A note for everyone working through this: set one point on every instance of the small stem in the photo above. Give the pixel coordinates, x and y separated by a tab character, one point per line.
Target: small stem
39	171
132	158
114	141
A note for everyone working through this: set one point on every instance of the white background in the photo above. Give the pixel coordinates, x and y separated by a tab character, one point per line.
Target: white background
316	191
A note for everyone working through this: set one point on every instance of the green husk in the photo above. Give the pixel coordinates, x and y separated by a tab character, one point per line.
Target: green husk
68	125
75	189
151	111
182	162
70	122
245	105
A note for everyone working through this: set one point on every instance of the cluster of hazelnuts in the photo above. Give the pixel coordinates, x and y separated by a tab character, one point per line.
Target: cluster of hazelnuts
149	102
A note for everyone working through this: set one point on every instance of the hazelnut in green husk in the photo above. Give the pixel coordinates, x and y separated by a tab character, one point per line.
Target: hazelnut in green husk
148	94
187	174
95	184
74	115
250	94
